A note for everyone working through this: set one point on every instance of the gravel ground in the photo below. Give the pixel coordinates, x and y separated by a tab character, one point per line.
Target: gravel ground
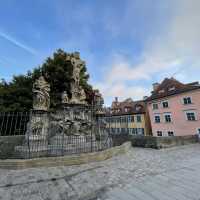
91	181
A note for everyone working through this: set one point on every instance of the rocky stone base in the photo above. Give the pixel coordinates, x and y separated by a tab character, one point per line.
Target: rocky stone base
65	160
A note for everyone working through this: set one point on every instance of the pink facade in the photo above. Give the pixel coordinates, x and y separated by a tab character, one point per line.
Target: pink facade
177	118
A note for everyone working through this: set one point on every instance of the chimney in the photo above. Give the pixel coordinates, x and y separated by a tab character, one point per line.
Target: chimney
155	86
116	99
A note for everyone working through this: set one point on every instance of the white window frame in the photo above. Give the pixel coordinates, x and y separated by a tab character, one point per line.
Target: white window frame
186	97
171	88
161	91
198	131
190	111
160	132
163	102
137	118
155	118
153	107
170	135
170	114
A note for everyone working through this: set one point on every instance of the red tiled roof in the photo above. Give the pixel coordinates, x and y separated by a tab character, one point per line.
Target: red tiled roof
127	107
166	88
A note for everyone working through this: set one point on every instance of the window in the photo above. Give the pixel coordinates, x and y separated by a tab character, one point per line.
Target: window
132	118
138	107
190	116
126	118
198	131
139	119
126	109
161	91
157	119
170	133
155	106
134	131
140	131
165	104
171	89
187	100
168	118
129	119
159	133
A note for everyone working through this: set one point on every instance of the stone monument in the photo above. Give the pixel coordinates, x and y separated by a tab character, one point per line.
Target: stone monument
72	125
78	95
38	125
41	98
65	98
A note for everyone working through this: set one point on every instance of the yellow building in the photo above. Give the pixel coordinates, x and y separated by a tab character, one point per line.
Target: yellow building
128	117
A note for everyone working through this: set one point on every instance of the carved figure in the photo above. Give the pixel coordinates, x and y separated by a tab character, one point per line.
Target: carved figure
41	98
65	98
77	93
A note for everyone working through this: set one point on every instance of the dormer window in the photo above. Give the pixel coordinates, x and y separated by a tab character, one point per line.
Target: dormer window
161	91
138	108
126	109
171	88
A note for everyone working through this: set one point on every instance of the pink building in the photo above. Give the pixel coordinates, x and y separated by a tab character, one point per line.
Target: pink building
174	108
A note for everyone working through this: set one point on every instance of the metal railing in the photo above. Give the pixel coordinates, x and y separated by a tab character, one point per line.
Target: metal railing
13	123
52	134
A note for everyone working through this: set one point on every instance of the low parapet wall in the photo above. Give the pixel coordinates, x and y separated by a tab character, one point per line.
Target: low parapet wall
154	142
162	142
7	145
65	160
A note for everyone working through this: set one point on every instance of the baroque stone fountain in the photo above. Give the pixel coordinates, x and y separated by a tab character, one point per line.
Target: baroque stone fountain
73	127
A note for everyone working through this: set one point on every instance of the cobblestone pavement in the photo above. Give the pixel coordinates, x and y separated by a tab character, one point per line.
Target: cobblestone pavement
139	174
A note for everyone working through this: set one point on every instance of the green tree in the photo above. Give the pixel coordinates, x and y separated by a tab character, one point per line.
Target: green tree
17	94
58	71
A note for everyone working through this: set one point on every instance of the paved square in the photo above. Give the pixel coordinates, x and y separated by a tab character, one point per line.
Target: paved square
143	174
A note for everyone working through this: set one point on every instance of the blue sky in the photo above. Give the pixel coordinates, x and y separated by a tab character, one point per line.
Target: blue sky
127	44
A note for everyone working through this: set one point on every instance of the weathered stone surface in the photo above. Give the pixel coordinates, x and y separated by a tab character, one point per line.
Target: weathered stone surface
7	145
78	95
65	160
41	98
140	173
155	142
65	98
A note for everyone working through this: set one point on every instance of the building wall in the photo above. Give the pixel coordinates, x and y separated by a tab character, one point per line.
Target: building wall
180	125
115	123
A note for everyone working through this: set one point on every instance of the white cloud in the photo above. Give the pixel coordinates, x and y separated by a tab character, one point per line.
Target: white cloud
123	70
121	90
174	52
17	43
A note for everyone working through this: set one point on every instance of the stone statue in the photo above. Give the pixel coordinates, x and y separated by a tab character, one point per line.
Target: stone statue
98	99
82	96
78	95
41	98
65	98
98	102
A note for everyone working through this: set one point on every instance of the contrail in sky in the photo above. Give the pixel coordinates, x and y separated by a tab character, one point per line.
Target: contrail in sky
17	43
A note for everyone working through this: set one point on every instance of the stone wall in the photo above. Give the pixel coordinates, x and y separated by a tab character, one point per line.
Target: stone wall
154	142
119	139
162	142
7	145
65	160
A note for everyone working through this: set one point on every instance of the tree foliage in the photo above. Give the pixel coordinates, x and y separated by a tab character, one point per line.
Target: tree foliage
17	94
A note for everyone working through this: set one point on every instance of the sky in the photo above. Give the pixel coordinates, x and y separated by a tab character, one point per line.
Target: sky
127	44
